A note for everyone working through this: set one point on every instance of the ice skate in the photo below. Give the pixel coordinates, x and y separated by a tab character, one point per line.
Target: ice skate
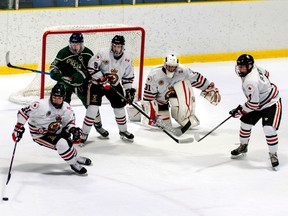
274	160
78	169
84	161
240	151
83	139
126	136
104	133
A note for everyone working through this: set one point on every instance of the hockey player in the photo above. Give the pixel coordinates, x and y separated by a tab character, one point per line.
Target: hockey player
70	69
110	66
263	102
50	123
170	85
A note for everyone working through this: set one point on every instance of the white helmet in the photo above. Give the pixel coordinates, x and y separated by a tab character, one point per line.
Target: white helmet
171	60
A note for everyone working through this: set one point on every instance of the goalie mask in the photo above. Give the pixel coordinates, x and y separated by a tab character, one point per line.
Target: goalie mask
57	96
171	63
118	46
76	41
244	65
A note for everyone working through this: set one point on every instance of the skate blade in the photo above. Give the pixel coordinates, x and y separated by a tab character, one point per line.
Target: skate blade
125	139
275	168
240	156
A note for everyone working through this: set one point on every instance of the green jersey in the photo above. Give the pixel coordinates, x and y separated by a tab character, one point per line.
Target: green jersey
69	63
70	69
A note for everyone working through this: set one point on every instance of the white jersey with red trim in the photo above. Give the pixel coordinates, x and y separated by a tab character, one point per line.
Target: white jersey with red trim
43	117
104	61
158	84
258	89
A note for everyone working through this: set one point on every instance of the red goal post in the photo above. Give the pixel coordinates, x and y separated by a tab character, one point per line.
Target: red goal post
95	37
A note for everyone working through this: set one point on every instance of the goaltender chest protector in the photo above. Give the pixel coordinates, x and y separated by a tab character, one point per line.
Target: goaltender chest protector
165	83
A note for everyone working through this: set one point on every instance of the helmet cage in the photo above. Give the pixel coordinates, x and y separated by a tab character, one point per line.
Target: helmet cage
172	61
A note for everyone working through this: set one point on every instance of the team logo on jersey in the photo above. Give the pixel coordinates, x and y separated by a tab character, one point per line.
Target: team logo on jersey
149	79
94	98
105	62
249	88
114	71
161	82
48	113
35	105
58	118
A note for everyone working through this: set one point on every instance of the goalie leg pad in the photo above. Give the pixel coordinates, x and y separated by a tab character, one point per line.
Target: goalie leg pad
151	109
165	117
183	106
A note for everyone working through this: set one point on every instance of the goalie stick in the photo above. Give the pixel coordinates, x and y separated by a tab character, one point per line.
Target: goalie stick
187	140
22	68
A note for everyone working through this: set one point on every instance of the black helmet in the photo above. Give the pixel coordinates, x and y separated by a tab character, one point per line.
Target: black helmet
59	91
245	59
76	37
118	39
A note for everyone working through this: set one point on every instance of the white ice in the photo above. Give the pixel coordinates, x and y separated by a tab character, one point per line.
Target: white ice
153	176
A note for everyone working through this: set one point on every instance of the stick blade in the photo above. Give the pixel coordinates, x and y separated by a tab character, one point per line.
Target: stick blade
197	137
7	58
187	140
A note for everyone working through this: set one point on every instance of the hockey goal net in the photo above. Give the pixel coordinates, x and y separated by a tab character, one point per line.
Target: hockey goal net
95	37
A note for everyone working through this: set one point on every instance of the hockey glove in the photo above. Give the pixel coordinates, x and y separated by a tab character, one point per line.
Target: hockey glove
236	112
129	95
77	78
18	132
76	133
56	74
211	94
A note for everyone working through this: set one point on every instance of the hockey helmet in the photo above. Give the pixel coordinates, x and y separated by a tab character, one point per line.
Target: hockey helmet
76	37
59	91
171	63
118	40
246	60
76	43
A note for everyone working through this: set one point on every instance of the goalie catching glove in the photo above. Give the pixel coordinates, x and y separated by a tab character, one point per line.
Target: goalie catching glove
130	95
18	132
76	133
211	94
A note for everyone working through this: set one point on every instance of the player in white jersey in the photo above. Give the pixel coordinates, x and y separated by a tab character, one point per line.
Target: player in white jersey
51	123
263	102
170	85
111	66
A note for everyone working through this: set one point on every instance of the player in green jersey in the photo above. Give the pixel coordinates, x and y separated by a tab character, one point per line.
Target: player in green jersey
70	69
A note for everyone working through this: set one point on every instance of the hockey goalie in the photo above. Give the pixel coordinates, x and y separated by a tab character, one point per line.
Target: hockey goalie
169	92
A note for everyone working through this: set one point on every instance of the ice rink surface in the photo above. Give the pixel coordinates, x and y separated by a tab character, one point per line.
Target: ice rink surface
153	176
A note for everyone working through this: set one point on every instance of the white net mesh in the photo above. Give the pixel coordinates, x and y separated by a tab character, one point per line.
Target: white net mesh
95	38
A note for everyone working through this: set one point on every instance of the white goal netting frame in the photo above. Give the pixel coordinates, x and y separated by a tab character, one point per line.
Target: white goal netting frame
95	37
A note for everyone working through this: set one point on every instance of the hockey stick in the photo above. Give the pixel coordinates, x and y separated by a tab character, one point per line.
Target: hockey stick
9	172
197	137
187	140
22	68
